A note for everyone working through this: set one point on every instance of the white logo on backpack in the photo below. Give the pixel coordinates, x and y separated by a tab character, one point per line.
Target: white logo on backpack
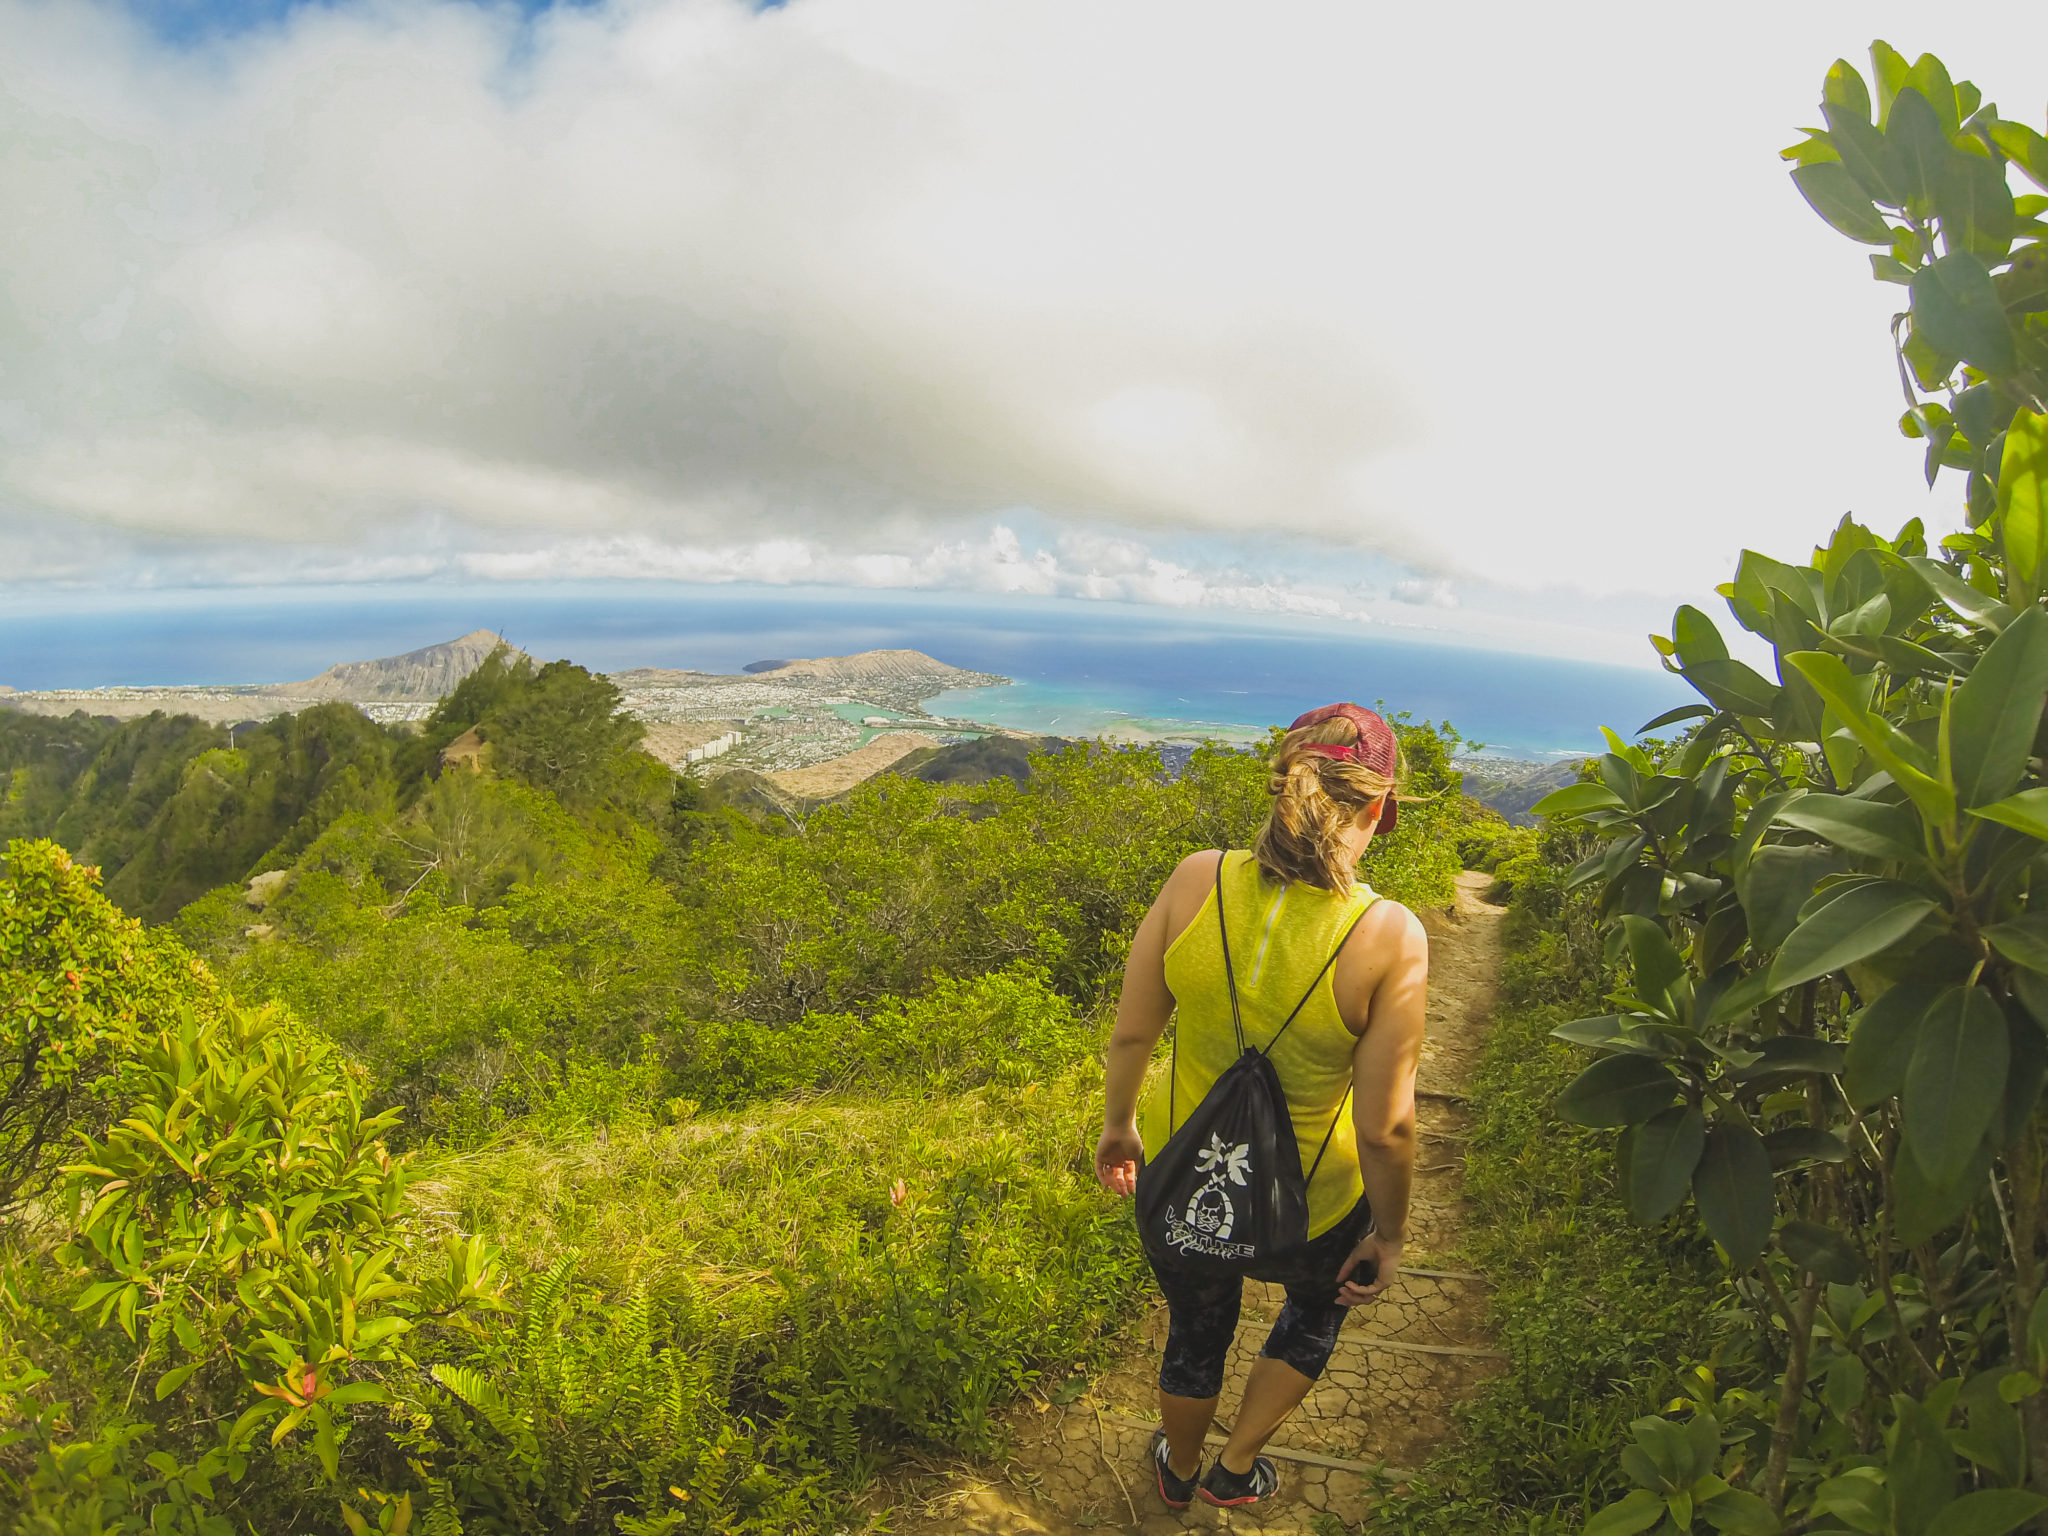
1210	1209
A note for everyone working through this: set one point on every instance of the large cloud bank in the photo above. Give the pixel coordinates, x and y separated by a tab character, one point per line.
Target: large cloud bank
1512	297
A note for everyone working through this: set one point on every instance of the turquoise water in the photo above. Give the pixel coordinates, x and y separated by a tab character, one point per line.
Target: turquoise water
1080	667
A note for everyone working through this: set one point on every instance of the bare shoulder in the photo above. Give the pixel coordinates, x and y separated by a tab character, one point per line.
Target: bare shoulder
1199	865
1391	940
1187	887
1389	922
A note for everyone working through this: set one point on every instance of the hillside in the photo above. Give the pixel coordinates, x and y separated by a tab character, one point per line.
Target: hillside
421	676
758	1125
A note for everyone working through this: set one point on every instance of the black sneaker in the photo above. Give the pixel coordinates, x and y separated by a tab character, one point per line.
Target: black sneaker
1176	1492
1224	1488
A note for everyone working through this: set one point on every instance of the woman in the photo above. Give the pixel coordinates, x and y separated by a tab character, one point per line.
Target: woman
1286	905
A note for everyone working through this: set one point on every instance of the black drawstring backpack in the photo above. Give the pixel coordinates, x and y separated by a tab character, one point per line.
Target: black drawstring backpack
1226	1192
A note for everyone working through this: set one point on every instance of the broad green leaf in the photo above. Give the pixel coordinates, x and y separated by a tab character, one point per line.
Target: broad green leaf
1855	926
1930	78
1956	308
2026	148
1617	1090
1657	964
1661	1161
2030	990
1576	800
1755	825
1843	87
1744	996
1888	72
2023	285
1737	1512
1994	1439
1932	368
1987	1512
1954	1081
1797	1144
1913	130
1668	1448
1638	1511
1734	686
1863	827
1833	193
2025	812
1822	1250
2025	1074
1975	208
1796	1053
1860	1500
1847	1379
1673	716
2023	498
1778	882
1997	710
1703	1436
1980	608
1865	153
1881	1040
2022	940
1814	149
1696	637
1908	764
1922	1471
1908	658
175	1378
1732	1187
1922	1209
1611	1032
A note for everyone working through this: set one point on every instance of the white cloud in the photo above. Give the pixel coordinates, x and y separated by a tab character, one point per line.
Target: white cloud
1517	297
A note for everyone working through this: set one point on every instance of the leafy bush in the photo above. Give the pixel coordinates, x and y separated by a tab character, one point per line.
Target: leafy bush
79	987
1831	1031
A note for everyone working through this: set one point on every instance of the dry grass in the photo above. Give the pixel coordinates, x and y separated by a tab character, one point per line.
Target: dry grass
836	775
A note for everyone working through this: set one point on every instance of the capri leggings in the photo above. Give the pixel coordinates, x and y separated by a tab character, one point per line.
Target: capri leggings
1203	1308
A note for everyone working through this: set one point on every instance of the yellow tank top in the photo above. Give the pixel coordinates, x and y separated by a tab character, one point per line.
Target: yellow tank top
1280	935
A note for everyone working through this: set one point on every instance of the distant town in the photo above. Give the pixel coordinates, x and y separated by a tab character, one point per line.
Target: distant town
812	725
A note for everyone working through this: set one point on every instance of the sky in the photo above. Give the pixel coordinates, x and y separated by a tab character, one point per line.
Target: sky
1496	321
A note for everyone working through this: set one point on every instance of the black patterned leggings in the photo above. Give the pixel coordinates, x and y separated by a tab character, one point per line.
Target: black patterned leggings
1203	1311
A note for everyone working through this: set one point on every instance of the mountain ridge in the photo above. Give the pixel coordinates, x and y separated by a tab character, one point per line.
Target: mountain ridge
420	676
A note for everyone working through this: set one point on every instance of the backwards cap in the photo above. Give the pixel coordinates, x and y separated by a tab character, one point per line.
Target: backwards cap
1375	749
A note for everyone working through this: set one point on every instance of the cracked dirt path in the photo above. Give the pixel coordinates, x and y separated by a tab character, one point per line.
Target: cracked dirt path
1082	1465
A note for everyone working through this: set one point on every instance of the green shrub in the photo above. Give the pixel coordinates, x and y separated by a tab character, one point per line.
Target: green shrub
1599	1326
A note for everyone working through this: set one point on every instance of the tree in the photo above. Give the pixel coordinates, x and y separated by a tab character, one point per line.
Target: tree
78	982
1830	901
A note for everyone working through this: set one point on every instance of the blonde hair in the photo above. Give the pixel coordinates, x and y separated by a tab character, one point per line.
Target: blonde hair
1316	800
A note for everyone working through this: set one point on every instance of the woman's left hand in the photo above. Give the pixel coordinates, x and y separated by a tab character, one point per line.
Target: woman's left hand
1384	1255
1117	1156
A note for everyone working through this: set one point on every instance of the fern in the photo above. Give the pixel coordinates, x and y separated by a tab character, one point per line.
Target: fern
476	1390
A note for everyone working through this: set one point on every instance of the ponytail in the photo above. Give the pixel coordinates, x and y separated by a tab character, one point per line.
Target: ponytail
1316	800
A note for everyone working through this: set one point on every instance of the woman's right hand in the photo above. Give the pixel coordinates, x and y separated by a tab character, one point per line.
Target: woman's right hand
1117	1156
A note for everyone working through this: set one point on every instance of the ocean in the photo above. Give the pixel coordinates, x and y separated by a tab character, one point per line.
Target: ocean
1081	668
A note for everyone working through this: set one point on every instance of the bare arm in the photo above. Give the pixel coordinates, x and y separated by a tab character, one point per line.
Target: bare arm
1142	1012
1383	1100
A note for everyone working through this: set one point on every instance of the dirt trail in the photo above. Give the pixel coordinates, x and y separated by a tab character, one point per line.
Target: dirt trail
1384	1403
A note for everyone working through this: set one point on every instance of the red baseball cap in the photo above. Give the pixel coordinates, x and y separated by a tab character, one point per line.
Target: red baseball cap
1376	749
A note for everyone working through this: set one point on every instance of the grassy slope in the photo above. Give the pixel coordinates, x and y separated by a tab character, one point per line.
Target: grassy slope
780	1232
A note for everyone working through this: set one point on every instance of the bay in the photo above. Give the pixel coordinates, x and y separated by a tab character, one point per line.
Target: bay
1081	668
